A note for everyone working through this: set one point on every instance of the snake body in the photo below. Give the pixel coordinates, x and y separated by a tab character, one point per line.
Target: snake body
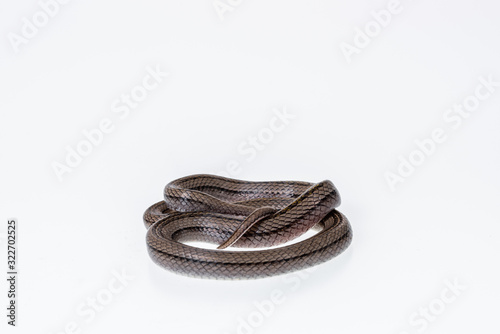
235	213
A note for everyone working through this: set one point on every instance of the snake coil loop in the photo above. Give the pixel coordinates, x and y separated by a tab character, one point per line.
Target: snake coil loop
235	213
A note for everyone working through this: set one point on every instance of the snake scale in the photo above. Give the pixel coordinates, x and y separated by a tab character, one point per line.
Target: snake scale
235	213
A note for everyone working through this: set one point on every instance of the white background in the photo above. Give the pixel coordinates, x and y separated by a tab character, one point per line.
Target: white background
352	122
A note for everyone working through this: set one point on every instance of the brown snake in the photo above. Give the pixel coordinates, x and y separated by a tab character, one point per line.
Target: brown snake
234	213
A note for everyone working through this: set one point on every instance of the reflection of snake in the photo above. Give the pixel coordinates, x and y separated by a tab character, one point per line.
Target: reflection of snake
237	213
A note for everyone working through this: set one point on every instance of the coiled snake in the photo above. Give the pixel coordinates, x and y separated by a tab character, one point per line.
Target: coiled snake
234	213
